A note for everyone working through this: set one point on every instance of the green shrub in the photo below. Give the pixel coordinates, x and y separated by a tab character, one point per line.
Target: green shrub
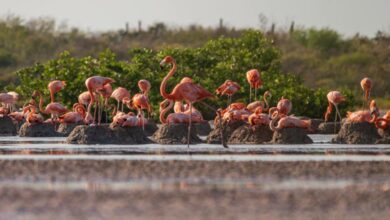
209	65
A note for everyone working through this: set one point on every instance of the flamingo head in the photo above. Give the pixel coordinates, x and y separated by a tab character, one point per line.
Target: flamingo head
166	60
374	110
108	80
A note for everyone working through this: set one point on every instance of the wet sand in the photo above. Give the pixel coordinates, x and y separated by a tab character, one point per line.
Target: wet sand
88	189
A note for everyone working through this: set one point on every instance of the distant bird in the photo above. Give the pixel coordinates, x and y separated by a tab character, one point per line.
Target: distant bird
366	85
54	87
93	84
119	94
228	88
144	85
334	99
364	116
184	91
253	77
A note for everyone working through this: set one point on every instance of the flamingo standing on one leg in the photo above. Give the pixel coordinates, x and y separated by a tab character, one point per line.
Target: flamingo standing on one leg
187	91
253	77
54	87
228	88
366	85
119	94
93	84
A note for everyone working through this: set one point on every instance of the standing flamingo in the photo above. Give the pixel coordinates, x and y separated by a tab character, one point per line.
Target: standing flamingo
54	108
54	87
106	94
139	102
93	84
187	91
334	99
119	94
253	77
228	88
84	98
144	86
366	85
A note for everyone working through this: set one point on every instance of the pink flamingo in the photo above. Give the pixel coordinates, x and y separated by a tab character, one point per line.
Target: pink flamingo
384	122
106	94
259	118
366	85
334	98
228	88
93	84
253	77
284	107
84	98
54	108
144	86
77	115
140	101
287	122
176	118
54	87
187	91
119	94
264	104
364	116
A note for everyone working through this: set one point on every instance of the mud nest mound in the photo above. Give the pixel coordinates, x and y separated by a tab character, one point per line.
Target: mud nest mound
103	134
176	134
7	126
66	129
357	133
228	128
315	124
385	134
329	128
38	130
291	136
203	129
248	134
150	127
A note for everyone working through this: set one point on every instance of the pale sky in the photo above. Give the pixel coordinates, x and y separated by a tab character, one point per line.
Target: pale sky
346	16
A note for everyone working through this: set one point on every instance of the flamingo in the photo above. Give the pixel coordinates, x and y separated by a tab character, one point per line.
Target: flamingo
15	97
140	101
186	90
180	108
287	122
119	94
54	87
259	118
384	122
84	98
93	84
253	77
364	116
176	118
334	99
228	88
53	108
254	105
366	85
7	100
106	94
284	107
144	86
77	115
33	116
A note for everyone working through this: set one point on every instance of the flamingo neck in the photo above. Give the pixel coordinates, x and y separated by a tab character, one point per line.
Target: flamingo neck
266	103
328	111
41	109
164	111
165	80
51	96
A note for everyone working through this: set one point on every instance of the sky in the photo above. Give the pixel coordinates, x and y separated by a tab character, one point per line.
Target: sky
348	17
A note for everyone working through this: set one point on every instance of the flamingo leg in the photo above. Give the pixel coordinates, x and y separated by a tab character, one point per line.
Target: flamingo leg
250	94
337	114
143	121
122	107
189	127
95	111
117	106
255	94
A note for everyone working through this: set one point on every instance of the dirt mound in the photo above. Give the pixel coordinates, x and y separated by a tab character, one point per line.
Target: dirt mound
329	128
66	129
38	130
103	134
7	126
175	134
214	136
247	134
357	133
291	136
203	129
385	134
150	127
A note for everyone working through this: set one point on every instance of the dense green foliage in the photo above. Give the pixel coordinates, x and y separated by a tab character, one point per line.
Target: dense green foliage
209	65
321	58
